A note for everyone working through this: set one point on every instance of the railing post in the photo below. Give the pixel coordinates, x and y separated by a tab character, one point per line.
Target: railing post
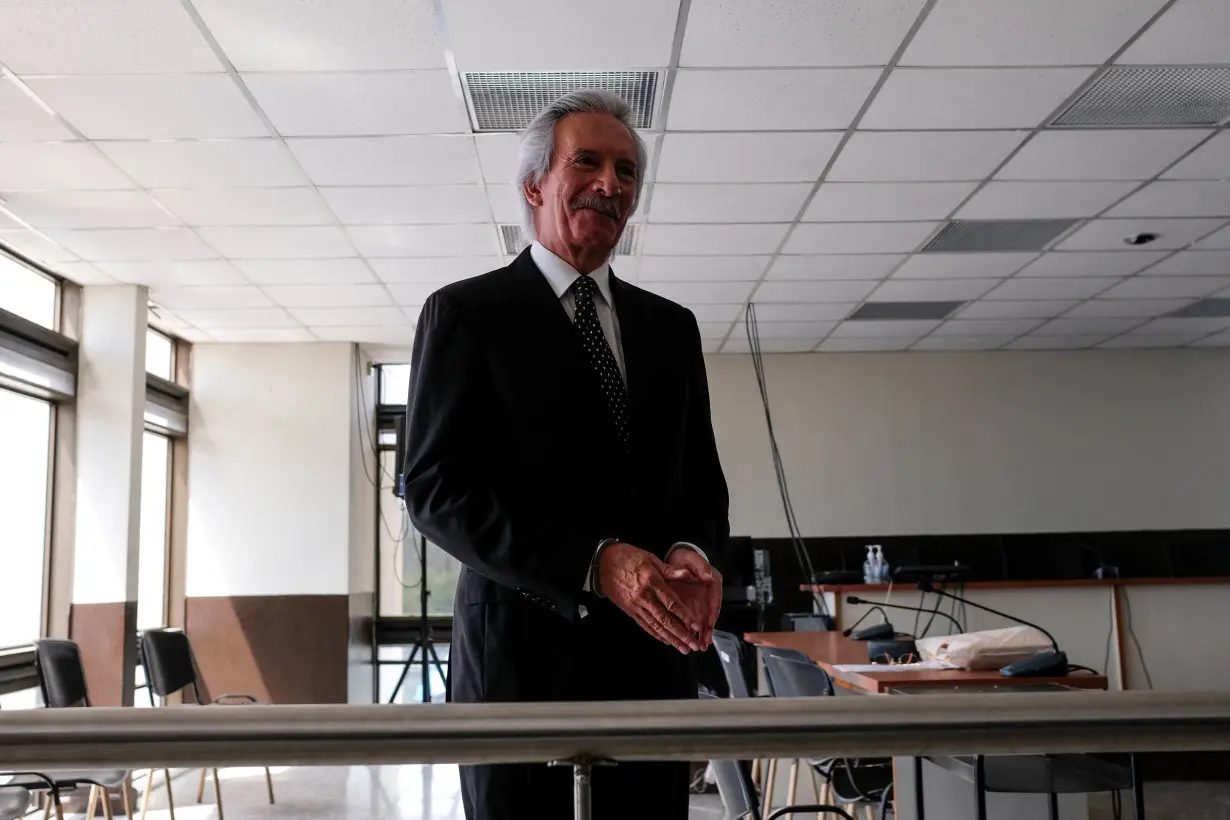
582	782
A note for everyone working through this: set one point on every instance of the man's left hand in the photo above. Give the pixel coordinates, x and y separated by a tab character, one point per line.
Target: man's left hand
696	581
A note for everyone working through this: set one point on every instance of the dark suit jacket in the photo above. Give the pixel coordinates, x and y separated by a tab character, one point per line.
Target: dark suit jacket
513	466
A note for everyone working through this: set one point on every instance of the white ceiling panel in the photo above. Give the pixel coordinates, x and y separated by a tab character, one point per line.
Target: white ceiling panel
1169	326
1110	154
352	316
1216	241
700	293
872	156
329	296
1055	342
702	268
1015	310
388	160
206	163
262	335
210	298
713	330
324	35
868	344
1051	200
804	311
1166	198
690	240
1125	308
279	242
764	157
728	203
1209	161
567	34
36	246
832	291
24	120
167	106
1087	327
916	98
191	334
174	274
741	345
716	313
876	329
133	244
818	33
887	201
785	330
412	293
232	207
1092	263
424	240
101	37
360	103
1194	263
1220	340
386	205
369	335
497	154
442	270
962	265
306	271
1039	289
957	343
710	345
1191	31
768	99
1038	32
57	166
932	290
858	237
505	209
835	266
89	209
216	320
1108	234
83	273
1167	287
1151	340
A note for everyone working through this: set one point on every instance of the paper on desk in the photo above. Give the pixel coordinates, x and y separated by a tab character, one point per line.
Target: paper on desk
892	667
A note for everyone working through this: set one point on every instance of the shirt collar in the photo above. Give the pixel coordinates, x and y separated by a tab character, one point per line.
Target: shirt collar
561	275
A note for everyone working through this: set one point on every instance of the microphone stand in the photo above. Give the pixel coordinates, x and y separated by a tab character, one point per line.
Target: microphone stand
851	599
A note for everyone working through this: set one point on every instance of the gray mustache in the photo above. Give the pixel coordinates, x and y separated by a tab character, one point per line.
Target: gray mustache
596	203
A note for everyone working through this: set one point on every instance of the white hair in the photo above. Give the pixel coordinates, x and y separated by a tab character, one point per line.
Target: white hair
538	143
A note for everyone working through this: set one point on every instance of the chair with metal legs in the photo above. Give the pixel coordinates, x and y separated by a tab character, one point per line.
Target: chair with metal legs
729	649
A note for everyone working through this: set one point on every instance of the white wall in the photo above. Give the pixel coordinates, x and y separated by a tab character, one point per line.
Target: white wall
887	444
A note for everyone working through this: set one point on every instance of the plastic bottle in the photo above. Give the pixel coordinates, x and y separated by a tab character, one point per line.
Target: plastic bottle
869	576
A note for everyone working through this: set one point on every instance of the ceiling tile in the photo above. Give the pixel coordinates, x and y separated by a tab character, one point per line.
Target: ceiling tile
262	335
324	35
785	330
710	345
932	290
1055	342
24	120
940	343
1126	308
741	345
886	201
36	246
1040	32
1220	340
329	296
1209	161
833	291
1177	199
413	293
173	274
497	154
915	98
689	293
386	205
764	157
191	334
767	100
986	328
1191	31
1217	241
869	344
366	335
728	203
306	272
819	33
1151	340
247	206
896	330
423	240
1087	327
835	266
83	273
89	209
702	268
506	210
1178	327
1015	310
1040	289
872	156
440	270
804	311
858	237
1110	154
388	160
714	330
689	240
129	37
217	320
57	166
1057	200
353	316
360	103
152	106
1108	234
716	313
1091	263
1194	263
962	265
278	242
206	163
1167	287
210	298
133	244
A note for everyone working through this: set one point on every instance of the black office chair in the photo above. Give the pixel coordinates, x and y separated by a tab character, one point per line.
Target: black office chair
730	651
807	622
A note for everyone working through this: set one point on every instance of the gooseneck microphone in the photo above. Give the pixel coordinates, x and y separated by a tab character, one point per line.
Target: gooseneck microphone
851	599
845	633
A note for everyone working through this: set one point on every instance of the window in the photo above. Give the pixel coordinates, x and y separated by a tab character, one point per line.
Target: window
151	577
394	383
159	355
25	467
28	293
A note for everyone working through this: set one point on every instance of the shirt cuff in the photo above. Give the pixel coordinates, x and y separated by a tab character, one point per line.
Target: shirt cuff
686	545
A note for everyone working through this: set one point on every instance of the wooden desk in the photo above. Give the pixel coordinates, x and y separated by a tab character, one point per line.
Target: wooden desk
830	650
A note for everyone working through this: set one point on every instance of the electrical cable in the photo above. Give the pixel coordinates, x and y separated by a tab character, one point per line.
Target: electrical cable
1140	653
1076	667
364	427
939	600
1110	631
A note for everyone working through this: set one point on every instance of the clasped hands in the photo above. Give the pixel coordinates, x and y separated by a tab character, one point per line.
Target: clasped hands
676	601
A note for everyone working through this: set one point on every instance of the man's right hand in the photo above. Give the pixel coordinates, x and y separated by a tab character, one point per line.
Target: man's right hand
635	581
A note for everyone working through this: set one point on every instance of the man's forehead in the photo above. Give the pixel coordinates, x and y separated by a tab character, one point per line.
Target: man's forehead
596	132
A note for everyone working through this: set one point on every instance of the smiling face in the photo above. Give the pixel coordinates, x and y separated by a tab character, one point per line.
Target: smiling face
583	203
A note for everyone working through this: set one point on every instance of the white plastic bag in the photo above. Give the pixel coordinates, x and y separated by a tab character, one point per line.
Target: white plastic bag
989	649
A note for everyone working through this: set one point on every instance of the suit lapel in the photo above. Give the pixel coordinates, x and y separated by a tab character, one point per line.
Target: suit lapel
637	348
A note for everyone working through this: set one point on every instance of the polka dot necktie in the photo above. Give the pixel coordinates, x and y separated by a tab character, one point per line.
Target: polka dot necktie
600	355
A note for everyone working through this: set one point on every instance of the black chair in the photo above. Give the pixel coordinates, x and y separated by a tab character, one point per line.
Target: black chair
171	669
730	652
807	622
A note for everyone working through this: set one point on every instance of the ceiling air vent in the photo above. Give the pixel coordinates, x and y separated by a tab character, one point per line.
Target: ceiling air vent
1139	97
903	311
507	101
1210	308
514	243
987	235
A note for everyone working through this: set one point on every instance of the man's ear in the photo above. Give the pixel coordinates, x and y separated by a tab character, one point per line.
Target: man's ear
533	193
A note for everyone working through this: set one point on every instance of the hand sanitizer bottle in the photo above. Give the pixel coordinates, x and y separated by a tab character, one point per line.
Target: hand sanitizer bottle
869	571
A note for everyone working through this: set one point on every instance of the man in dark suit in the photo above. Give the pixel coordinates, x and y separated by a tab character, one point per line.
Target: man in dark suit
559	444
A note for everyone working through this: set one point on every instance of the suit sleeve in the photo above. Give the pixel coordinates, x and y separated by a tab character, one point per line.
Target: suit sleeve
450	493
